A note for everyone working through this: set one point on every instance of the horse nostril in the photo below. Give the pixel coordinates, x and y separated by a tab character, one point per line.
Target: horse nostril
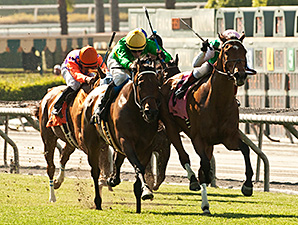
151	114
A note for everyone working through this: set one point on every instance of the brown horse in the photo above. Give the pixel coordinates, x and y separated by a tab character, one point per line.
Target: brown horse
213	116
70	133
131	127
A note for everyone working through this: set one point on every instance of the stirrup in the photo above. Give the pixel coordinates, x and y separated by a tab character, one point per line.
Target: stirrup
180	92
57	112
95	118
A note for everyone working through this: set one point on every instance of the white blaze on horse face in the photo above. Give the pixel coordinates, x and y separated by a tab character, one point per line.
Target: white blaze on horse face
122	101
236	47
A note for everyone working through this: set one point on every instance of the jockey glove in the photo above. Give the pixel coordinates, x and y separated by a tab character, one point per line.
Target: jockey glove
205	45
161	55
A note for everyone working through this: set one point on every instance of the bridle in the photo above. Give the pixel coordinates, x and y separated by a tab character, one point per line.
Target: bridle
231	76
136	84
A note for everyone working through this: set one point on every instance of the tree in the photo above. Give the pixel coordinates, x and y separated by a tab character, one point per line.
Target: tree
99	16
62	9
114	14
170	4
228	3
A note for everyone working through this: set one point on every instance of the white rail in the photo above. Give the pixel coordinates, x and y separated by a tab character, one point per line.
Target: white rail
286	120
91	7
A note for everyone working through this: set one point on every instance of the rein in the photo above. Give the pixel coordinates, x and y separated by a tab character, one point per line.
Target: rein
139	104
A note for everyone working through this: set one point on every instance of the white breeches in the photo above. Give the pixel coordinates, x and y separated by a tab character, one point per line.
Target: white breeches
203	70
119	75
70	81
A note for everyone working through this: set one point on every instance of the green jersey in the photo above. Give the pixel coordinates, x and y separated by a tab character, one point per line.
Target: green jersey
216	44
123	55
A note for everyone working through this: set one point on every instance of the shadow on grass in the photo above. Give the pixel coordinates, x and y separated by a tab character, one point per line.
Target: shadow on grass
227	215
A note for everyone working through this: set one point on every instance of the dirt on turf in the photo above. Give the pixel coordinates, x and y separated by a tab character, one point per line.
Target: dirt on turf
290	188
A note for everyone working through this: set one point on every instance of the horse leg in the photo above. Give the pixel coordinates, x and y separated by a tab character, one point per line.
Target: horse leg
162	153
49	148
139	169
105	166
205	203
149	176
115	179
175	139
247	187
137	188
93	159
66	152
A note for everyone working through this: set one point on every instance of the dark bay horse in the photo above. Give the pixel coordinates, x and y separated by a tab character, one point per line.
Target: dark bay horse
213	116
73	139
131	127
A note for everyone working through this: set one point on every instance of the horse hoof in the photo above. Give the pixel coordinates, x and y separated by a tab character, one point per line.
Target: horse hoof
147	194
57	184
112	182
246	191
206	212
194	184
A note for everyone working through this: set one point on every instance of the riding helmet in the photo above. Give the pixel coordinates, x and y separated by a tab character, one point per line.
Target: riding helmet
88	56
136	40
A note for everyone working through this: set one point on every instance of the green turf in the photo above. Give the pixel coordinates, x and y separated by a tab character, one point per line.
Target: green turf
24	200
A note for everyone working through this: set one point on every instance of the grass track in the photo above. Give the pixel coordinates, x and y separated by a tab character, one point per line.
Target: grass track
24	200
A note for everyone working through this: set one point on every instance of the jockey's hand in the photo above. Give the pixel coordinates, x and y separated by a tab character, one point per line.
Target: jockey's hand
133	67
90	80
205	46
160	54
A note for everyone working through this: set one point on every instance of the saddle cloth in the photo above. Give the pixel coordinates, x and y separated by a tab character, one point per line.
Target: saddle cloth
178	106
56	120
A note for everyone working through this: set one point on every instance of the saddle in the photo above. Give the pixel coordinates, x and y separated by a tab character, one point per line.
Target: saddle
56	120
178	106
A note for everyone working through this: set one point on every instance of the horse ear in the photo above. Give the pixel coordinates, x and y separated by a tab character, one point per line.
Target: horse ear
242	36
222	38
176	60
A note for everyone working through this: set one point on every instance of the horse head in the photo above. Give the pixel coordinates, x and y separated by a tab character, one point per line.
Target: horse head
232	60
146	90
168	70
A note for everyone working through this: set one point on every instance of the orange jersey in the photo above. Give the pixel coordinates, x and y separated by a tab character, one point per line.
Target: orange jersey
73	65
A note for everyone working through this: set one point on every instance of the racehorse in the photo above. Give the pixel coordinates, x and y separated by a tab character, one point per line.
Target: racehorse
131	127
69	132
73	139
213	115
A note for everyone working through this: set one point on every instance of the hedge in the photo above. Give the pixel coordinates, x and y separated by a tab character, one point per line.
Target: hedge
28	90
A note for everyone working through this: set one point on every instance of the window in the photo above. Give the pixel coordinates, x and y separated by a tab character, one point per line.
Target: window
259	58
259	25
279	29
239	24
220	25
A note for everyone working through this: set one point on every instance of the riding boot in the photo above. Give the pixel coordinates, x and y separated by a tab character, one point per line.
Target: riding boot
186	84
101	111
58	105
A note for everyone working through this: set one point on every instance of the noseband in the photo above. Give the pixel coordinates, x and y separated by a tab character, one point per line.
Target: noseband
135	84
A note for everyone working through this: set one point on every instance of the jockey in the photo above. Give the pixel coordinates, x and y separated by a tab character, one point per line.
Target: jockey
120	64
203	62
75	70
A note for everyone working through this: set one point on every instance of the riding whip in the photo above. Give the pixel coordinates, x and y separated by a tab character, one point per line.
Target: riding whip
191	29
153	32
109	46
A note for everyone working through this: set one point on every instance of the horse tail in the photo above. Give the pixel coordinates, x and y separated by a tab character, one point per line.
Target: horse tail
35	110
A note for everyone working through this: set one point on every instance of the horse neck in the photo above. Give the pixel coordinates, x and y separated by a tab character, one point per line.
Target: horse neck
222	89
